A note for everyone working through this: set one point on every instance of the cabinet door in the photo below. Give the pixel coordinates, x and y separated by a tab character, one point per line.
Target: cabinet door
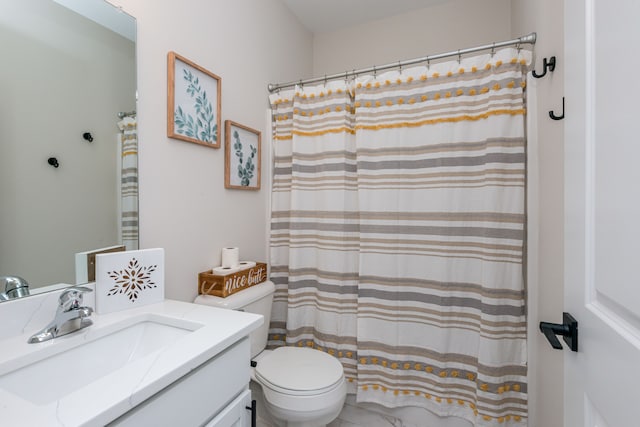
196	397
235	414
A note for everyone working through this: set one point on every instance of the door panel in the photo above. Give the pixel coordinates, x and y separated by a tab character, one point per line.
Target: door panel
602	208
592	416
616	173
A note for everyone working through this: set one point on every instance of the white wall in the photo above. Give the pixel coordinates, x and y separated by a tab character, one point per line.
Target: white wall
440	28
546	300
184	206
61	76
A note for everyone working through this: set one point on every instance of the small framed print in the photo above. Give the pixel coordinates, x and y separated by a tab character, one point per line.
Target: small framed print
193	102
242	157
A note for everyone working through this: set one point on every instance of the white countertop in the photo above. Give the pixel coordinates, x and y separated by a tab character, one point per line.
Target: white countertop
110	396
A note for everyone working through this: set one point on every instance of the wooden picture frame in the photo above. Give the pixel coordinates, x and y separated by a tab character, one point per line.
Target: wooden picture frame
242	156
193	102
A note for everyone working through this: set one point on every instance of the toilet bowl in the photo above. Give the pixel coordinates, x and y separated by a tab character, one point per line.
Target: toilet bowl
302	387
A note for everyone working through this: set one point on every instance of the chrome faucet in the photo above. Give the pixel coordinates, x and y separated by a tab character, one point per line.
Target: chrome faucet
14	287
70	316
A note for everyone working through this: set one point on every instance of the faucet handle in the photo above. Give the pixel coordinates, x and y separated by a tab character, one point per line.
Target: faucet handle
71	298
14	287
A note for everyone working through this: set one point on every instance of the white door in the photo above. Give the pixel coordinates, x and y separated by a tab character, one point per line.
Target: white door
602	205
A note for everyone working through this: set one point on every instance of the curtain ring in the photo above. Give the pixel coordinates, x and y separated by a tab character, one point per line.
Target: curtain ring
375	72
400	66
459	57
325	81
493	49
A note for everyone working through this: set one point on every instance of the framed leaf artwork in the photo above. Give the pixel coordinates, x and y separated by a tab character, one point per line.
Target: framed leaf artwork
242	157
193	102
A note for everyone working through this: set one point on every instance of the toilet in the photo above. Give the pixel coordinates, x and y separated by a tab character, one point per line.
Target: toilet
302	387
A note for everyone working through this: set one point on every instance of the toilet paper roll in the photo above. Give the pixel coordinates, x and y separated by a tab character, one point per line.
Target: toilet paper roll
243	265
221	271
230	257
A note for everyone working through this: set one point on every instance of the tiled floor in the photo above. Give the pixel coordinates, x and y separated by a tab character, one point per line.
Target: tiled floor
368	415
351	415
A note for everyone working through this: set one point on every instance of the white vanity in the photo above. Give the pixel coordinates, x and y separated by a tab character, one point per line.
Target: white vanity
166	364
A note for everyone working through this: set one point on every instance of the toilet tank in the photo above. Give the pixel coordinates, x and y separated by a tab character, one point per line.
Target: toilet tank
256	299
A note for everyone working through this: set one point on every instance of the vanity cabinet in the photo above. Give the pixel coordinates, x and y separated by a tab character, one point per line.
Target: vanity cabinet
215	394
236	414
172	364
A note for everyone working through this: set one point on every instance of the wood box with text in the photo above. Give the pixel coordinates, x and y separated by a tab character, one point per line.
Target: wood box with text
223	286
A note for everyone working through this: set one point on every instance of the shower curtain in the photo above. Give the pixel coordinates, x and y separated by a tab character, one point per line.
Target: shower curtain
129	182
397	233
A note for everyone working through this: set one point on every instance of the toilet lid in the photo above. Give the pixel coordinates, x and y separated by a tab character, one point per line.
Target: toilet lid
299	370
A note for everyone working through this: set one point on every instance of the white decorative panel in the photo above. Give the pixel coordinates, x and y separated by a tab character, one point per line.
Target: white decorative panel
129	279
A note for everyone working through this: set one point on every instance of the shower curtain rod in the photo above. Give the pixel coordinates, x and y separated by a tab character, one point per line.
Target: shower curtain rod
528	39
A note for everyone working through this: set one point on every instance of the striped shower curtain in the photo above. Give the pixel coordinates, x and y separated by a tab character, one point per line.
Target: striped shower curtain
129	182
397	234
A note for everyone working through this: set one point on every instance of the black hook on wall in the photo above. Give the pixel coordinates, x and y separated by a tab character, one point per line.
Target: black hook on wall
546	65
553	115
53	162
87	136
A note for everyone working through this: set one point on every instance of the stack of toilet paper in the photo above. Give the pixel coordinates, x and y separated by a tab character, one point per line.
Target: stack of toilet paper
231	262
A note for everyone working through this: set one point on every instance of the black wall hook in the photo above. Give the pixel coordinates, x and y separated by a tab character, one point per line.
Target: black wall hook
87	136
553	115
53	162
546	65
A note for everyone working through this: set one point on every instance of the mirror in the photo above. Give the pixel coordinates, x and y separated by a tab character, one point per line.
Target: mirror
64	80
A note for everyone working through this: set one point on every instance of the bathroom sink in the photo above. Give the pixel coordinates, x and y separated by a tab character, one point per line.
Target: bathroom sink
68	364
129	364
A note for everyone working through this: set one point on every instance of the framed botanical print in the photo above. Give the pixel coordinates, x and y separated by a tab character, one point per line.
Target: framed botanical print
242	157
193	102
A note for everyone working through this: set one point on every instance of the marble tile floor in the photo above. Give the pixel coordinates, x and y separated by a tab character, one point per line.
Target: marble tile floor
354	416
351	415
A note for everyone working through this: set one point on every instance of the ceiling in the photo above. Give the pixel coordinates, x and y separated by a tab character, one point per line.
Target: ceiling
320	16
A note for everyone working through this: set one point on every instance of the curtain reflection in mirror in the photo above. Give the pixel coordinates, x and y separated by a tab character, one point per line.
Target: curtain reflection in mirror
129	180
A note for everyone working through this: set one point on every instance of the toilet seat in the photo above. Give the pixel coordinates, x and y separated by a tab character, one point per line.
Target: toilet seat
285	391
299	371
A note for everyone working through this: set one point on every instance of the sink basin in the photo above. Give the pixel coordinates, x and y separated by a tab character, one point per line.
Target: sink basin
67	365
133	364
